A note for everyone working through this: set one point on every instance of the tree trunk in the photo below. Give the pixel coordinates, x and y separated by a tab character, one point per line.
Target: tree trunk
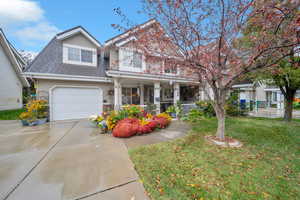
220	112
288	109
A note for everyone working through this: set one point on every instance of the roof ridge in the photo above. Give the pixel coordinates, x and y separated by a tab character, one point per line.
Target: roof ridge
130	29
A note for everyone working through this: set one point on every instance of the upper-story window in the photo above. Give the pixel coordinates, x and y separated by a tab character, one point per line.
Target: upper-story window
171	70
170	67
79	55
130	60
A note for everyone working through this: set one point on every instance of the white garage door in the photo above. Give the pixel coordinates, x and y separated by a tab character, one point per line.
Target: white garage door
75	103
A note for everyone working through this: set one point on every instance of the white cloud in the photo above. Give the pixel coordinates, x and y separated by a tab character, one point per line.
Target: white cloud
19	11
25	20
40	32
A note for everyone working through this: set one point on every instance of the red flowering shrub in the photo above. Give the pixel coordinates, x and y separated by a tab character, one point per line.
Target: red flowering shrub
144	129
126	128
131	126
153	124
162	121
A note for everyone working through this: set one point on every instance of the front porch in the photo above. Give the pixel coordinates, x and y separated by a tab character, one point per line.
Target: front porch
161	93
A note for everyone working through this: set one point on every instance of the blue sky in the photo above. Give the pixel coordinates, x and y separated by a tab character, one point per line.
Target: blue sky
30	24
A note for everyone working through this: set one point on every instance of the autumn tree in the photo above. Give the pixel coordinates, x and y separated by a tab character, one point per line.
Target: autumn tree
203	35
286	76
286	73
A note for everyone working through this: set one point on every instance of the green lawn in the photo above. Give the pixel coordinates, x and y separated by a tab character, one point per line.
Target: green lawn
10	114
267	167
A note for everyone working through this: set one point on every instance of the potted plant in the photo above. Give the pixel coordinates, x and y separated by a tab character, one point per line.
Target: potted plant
25	118
36	113
171	110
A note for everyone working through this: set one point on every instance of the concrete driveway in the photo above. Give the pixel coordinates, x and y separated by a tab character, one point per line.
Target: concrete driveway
64	160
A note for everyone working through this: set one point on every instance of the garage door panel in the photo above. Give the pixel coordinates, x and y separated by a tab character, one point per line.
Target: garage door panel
75	103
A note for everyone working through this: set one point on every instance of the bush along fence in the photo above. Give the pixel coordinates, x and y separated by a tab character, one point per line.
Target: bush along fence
129	121
204	109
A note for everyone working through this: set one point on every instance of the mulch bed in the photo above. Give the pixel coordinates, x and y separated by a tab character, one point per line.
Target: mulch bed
227	142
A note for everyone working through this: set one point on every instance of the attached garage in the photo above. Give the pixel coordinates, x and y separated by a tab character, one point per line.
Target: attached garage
75	102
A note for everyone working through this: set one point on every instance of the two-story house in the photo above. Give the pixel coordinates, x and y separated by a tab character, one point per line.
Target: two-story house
80	77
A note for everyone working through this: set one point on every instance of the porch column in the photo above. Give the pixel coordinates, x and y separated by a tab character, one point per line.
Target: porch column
116	94
142	94
176	93
120	94
201	94
157	96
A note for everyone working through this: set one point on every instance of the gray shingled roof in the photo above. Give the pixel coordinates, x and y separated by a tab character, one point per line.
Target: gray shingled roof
49	60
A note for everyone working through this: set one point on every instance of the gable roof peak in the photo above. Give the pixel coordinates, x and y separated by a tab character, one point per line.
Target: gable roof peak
131	30
14	57
75	30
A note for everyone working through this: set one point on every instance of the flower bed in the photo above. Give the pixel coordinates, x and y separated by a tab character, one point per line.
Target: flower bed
131	120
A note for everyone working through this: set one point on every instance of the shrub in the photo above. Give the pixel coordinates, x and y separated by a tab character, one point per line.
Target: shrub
194	115
162	119
128	111
206	108
144	127
179	109
296	105
165	115
171	109
153	124
35	109
126	128
112	120
132	111
232	105
28	116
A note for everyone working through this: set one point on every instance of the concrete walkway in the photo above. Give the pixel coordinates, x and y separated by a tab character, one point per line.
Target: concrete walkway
71	160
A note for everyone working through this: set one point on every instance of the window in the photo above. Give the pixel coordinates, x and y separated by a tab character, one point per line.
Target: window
130	60
274	96
130	96
171	70
126	59
86	56
170	67
167	94
137	60
73	54
79	56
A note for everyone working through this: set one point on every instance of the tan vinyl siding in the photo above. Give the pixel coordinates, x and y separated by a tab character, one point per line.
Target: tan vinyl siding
79	40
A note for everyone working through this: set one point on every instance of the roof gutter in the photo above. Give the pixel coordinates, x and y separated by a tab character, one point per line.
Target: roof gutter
66	77
155	77
243	85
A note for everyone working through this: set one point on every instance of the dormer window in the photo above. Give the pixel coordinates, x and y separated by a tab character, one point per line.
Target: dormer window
73	54
79	55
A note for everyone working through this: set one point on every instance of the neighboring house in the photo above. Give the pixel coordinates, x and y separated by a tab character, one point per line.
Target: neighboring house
80	77
11	79
262	95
